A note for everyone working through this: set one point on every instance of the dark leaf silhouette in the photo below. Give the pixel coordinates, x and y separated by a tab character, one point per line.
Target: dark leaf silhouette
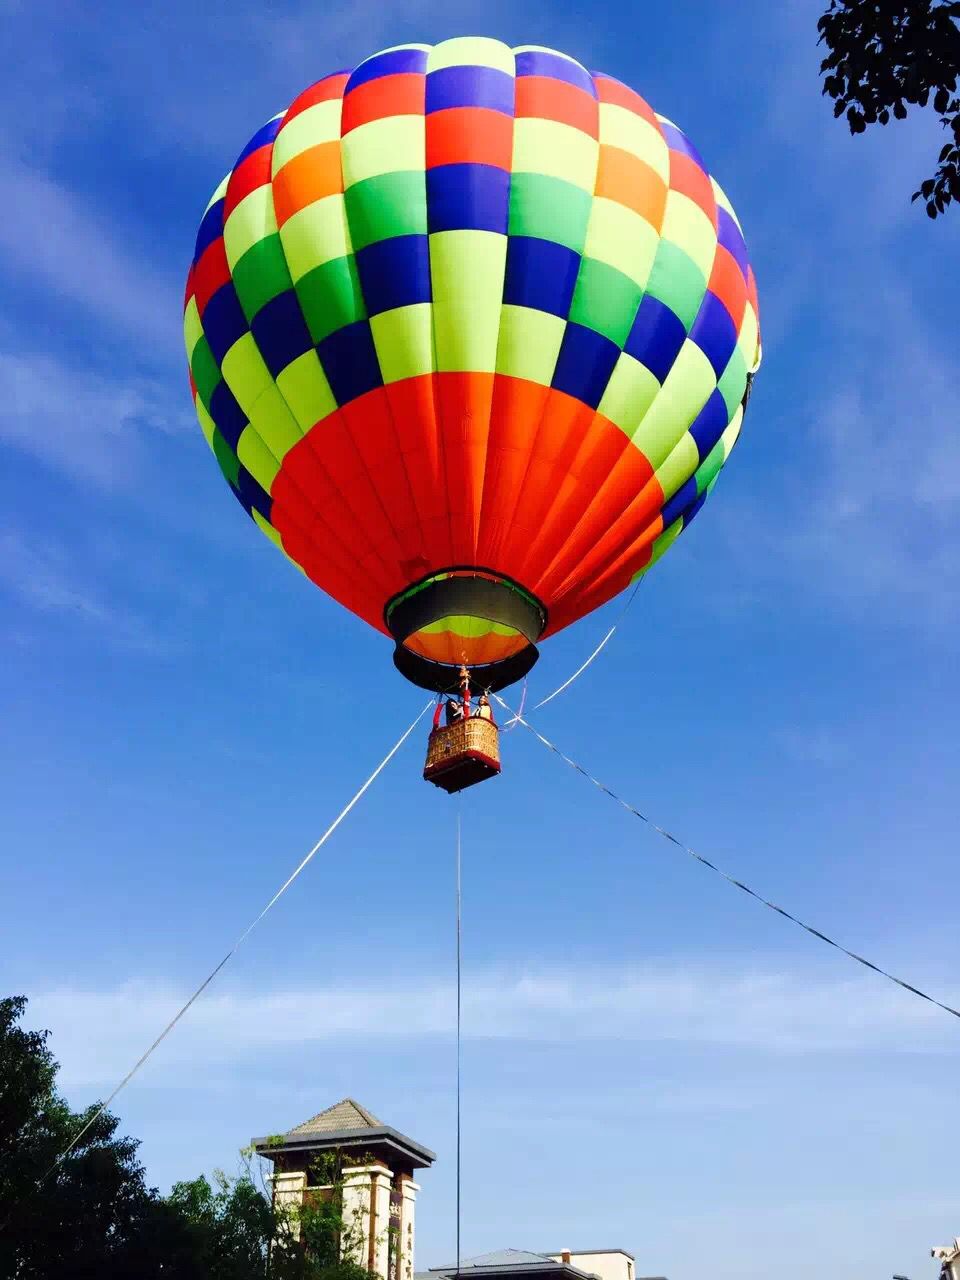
881	55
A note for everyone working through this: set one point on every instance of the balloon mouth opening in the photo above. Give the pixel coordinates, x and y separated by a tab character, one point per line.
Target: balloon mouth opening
465	616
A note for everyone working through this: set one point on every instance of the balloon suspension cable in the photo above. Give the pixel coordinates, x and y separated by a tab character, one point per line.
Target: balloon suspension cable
515	720
738	884
459	1018
240	940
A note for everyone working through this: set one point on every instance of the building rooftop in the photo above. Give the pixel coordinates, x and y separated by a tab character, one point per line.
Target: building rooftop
501	1258
578	1253
532	1266
346	1126
507	1261
346	1116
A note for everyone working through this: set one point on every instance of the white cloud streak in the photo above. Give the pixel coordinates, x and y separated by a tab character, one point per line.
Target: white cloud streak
48	581
80	422
49	237
98	1033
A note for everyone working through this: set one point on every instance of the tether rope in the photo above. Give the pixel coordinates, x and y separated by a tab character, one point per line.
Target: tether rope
459	1012
781	911
518	715
241	939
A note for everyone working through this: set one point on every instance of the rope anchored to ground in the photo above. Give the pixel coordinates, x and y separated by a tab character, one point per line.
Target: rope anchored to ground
712	866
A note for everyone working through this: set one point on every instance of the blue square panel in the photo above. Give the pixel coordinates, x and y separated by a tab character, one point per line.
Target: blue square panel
714	333
709	424
349	360
585	363
656	337
540	274
281	332
470	87
394	273
468	197
229	418
223	321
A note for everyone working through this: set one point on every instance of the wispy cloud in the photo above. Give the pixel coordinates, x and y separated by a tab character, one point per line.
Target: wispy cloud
877	519
48	580
859	388
80	422
49	236
98	1032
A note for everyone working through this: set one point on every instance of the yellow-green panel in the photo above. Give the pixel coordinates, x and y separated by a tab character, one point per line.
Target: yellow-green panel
253	219
266	527
630	132
257	458
679	465
319	123
383	146
471	51
207	425
315	235
274	422
192	328
685	391
556	150
686	225
467	268
663	544
529	344
747	339
245	372
621	238
220	192
304	386
404	341
630	392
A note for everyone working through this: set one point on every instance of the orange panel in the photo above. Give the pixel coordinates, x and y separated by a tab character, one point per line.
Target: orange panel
463	412
631	182
369	420
603	450
596	545
568	608
516	411
468	469
414	413
310	176
549	503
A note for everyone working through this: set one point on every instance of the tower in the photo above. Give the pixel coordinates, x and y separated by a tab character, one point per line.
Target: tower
375	1167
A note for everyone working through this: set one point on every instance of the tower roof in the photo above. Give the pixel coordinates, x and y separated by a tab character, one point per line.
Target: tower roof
345	1115
347	1126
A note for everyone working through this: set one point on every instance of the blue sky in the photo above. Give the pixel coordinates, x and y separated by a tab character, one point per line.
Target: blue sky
652	1061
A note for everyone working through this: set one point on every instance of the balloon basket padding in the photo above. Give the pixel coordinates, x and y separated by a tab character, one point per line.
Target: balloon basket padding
463	754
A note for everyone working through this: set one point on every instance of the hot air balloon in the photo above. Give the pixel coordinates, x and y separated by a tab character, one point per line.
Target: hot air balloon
470	333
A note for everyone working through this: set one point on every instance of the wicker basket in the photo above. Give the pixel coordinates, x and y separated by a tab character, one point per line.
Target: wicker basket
459	755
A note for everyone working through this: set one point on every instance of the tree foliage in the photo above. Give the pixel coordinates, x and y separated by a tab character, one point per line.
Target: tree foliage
92	1214
888	55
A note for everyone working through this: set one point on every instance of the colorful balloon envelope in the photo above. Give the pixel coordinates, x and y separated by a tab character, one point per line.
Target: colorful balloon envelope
470	333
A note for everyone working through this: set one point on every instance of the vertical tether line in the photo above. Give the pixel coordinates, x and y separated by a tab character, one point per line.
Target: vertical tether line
459	1009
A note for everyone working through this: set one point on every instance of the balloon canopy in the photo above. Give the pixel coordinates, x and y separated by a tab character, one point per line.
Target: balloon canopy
470	333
